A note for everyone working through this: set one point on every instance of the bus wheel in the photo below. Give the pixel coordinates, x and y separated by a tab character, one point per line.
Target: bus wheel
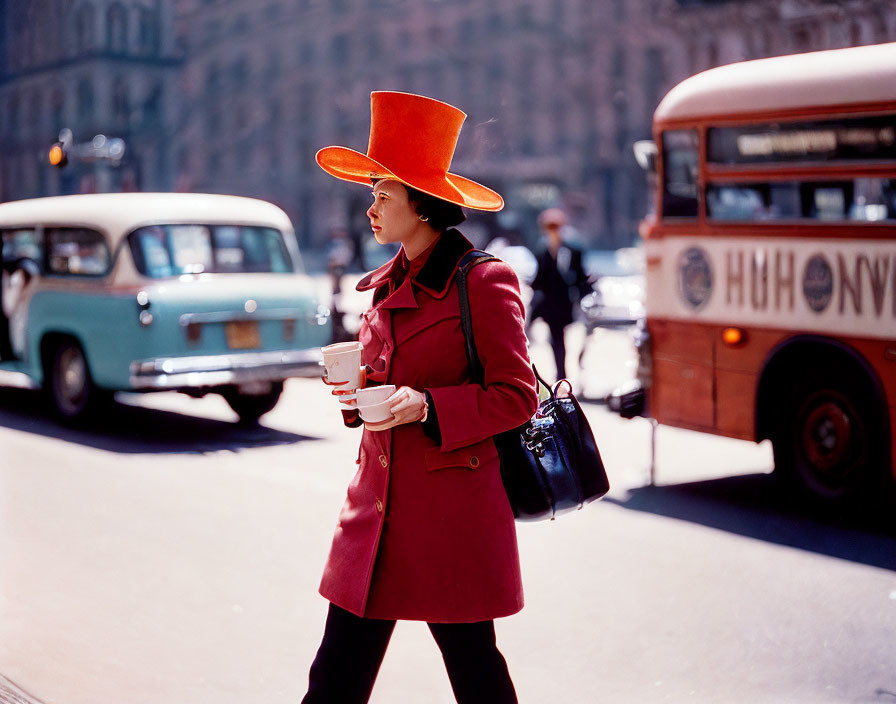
828	441
251	407
71	390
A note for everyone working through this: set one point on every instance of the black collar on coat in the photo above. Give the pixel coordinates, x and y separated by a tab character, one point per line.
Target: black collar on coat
437	273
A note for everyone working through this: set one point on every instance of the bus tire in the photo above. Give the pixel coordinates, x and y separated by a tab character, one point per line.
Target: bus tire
251	407
829	440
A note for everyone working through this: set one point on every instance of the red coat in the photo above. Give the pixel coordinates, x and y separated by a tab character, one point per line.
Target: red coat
426	531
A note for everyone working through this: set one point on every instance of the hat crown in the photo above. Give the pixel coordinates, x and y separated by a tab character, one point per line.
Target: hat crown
411	133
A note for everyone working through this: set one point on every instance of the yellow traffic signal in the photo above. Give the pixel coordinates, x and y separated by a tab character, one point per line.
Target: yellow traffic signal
58	156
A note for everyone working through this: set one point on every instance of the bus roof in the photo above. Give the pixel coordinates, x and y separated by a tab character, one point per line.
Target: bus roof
838	77
120	213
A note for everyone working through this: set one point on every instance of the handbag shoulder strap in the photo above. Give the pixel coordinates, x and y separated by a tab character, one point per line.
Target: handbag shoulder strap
466	263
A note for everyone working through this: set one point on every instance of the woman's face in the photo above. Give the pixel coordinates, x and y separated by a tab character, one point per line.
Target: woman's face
393	217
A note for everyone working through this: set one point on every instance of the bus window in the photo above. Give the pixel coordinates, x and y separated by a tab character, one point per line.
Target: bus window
857	200
680	158
861	138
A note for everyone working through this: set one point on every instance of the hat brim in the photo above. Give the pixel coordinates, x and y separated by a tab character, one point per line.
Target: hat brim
350	165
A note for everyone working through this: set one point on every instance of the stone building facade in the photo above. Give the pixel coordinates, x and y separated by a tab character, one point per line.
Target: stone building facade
556	91
94	67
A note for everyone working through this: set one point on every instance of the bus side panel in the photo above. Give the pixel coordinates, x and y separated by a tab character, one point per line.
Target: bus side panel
682	392
736	412
738	371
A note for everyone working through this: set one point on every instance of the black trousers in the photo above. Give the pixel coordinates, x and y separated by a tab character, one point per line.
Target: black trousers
558	345
353	648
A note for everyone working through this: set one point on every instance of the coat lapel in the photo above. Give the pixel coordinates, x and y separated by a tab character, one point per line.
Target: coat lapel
435	277
438	272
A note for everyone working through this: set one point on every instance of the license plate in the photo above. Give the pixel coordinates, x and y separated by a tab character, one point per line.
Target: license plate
243	335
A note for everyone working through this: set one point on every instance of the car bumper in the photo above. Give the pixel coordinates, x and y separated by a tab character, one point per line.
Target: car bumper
628	401
219	370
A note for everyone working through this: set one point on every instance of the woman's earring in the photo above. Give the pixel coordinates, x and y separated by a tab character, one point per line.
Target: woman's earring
424	218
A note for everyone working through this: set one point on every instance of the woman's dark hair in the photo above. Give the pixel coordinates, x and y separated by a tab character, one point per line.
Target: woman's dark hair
439	213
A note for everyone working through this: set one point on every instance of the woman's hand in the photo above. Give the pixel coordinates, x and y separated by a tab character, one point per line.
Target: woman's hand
408	406
338	393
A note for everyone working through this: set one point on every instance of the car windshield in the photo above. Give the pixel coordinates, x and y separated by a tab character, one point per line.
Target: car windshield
172	250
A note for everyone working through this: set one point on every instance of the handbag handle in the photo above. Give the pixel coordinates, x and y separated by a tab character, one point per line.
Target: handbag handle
467	262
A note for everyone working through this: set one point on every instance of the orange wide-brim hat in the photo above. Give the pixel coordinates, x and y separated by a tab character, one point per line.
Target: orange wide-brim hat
412	140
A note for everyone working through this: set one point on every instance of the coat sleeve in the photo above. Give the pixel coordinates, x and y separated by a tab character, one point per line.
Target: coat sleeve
469	413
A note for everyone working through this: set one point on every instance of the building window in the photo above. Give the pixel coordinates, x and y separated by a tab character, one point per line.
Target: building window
152	106
239	72
618	69
13	115
306	54
148	31
57	108
116	29
339	49
655	77
34	117
120	102
86	98
213	79
84	27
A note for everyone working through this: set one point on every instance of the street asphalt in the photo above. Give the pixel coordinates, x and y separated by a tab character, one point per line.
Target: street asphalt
168	555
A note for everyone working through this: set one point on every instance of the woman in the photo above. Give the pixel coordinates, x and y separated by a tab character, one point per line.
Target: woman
426	532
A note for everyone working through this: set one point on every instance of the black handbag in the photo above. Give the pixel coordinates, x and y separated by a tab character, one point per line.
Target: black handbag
550	464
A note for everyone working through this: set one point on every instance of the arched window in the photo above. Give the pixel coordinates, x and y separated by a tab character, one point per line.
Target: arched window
116	28
149	31
85	23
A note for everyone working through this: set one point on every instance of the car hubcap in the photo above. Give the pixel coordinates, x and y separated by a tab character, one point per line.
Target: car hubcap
72	377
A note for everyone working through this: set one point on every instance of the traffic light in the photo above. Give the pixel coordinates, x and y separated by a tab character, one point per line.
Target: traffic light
58	155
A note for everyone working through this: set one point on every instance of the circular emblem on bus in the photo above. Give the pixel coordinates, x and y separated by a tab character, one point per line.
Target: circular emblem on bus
818	282
695	276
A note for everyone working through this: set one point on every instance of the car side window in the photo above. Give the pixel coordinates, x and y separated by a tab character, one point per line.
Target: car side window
76	251
21	245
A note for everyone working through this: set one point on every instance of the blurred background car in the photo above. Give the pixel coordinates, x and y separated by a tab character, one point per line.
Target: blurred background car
155	292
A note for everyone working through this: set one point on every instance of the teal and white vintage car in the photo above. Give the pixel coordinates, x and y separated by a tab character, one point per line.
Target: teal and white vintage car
155	291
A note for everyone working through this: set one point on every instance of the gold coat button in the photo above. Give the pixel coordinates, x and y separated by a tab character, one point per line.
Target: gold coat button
383	460
379	506
474	461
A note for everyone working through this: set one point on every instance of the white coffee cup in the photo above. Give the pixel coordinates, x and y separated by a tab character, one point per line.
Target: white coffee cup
343	364
372	403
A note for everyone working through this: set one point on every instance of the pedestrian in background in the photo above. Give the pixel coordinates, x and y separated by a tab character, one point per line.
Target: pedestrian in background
559	283
426	532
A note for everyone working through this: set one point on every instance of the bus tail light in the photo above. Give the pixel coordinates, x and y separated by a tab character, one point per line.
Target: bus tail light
734	337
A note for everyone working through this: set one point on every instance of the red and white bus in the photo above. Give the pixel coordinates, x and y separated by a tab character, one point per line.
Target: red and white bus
771	264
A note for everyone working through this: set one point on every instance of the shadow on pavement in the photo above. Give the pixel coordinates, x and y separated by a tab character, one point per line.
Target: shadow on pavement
753	506
135	430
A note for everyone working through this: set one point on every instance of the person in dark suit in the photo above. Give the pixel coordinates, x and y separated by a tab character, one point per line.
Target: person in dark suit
559	283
